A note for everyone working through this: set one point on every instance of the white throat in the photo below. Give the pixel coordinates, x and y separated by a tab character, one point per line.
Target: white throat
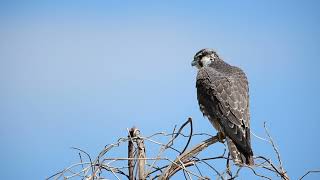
206	61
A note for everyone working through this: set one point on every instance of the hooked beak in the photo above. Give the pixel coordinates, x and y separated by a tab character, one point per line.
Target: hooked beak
194	63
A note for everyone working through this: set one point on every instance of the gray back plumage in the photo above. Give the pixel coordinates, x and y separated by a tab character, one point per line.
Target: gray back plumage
223	96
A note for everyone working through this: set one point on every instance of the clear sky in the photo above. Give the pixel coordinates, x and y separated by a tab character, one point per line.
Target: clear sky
78	73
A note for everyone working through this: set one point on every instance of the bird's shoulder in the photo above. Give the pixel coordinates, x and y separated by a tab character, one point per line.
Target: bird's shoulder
208	76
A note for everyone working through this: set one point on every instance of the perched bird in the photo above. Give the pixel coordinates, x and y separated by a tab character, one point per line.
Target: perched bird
223	96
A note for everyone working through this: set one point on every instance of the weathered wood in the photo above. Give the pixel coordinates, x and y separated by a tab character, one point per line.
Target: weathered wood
185	158
131	154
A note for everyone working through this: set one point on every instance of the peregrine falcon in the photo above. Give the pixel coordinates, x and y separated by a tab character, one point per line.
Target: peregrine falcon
223	96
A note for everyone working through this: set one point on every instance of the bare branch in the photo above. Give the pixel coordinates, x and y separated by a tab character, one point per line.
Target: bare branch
186	156
283	172
181	157
309	172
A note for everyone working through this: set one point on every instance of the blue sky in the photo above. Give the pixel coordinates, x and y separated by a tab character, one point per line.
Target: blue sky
78	73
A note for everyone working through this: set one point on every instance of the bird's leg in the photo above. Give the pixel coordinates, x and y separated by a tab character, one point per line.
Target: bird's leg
221	136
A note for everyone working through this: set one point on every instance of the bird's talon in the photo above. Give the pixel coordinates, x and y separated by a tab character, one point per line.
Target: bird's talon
221	137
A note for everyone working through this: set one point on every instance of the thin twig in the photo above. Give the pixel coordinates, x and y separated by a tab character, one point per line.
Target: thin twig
309	172
190	135
283	173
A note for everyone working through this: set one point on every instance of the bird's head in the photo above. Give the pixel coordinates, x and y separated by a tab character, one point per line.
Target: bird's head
204	58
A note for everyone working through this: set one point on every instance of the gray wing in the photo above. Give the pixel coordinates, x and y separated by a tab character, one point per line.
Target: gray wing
227	98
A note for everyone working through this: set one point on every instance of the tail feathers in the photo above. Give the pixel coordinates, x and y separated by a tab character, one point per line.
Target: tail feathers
238	157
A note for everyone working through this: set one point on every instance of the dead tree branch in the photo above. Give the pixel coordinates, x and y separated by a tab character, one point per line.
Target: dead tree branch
186	156
131	154
309	172
171	157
